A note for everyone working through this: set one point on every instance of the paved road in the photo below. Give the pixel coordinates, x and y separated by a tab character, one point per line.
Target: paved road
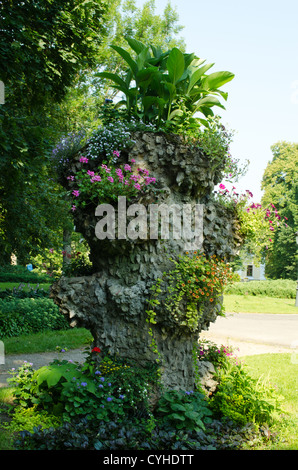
252	333
278	332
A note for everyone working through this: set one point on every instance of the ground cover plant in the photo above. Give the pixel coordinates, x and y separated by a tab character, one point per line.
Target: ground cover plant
109	405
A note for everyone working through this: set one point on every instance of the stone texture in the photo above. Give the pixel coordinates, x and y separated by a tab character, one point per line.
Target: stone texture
112	302
207	379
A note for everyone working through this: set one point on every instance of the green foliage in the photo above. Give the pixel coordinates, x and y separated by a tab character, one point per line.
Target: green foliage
193	283
43	45
218	356
97	391
133	435
29	315
167	87
281	288
184	410
280	185
73	395
78	266
243	398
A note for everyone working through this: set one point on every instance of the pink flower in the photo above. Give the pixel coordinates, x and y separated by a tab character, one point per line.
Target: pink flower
95	178
51	250
90	173
137	186
222	186
111	179
127	167
133	160
270	240
73	208
116	153
71	177
76	193
84	159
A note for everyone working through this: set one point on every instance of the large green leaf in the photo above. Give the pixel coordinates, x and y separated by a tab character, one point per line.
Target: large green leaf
114	77
175	65
136	45
209	101
196	75
141	59
216	80
127	57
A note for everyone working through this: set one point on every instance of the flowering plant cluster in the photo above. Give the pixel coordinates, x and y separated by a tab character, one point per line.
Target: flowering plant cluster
66	148
107	183
258	223
218	355
195	281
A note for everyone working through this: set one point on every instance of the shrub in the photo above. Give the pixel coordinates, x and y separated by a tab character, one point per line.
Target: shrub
97	392
22	316
243	398
281	288
184	410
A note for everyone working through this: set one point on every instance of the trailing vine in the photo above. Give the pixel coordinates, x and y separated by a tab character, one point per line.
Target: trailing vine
187	289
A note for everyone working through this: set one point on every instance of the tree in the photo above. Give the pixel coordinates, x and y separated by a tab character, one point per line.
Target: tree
43	45
280	185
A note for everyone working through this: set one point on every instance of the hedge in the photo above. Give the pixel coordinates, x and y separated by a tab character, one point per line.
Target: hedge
31	315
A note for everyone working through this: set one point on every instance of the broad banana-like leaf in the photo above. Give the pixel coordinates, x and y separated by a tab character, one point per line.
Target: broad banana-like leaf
209	101
196	75
136	45
176	112
216	80
114	77
127	57
175	65
142	57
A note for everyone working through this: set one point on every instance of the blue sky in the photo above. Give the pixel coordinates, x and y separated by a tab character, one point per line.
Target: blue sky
258	42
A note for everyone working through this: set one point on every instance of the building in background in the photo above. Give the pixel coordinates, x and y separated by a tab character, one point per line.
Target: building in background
251	271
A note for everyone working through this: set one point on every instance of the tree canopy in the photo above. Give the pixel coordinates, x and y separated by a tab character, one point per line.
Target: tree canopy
280	185
43	45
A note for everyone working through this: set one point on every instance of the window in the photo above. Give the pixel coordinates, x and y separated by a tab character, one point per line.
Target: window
249	270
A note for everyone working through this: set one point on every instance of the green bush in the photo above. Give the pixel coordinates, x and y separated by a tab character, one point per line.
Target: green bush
32	315
184	410
281	288
99	392
242	398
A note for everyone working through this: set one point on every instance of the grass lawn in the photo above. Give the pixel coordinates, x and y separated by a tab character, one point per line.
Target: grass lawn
47	341
258	304
282	371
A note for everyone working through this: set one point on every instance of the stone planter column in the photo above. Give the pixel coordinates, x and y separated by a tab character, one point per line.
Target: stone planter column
112	302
